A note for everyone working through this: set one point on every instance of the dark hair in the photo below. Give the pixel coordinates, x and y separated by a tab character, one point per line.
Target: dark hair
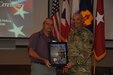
47	19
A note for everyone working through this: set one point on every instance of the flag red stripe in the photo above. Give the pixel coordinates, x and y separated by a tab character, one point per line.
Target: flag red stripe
56	20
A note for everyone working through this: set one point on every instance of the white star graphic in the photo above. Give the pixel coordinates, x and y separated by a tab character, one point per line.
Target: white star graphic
17	2
20	11
99	18
17	30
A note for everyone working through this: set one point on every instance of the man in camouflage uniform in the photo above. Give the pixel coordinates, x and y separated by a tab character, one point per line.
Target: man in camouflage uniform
80	44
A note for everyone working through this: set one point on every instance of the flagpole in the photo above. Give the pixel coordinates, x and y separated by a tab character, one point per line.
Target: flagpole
94	66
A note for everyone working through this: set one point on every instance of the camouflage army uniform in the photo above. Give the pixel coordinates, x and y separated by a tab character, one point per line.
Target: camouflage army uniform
80	44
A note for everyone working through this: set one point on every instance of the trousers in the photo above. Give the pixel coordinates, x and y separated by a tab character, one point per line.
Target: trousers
41	69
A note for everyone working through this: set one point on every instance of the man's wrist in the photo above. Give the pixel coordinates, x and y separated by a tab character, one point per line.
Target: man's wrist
43	59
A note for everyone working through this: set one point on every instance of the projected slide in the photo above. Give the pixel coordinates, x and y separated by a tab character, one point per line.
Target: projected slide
16	18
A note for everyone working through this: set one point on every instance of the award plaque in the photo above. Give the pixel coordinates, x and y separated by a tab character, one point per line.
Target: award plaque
58	53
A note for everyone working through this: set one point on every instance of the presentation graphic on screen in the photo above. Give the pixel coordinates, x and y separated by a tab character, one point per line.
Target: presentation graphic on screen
16	18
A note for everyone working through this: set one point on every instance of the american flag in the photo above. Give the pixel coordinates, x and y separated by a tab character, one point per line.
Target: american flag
56	17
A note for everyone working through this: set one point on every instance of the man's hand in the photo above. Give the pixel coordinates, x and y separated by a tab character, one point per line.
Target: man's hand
69	65
47	63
